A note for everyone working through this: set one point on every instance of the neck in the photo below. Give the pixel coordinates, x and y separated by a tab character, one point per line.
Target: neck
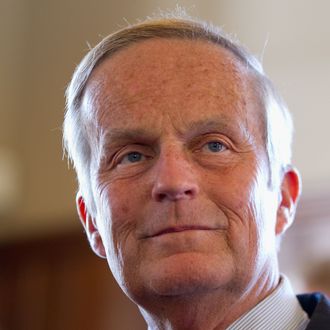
214	310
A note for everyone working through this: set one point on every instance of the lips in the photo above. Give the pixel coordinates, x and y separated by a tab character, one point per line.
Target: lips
177	229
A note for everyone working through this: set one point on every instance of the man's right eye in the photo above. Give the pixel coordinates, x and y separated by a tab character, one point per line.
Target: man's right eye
132	157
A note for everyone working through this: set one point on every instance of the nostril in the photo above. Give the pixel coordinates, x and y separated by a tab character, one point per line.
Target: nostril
175	194
187	194
160	197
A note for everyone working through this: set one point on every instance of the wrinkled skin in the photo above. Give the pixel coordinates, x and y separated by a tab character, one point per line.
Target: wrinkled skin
185	213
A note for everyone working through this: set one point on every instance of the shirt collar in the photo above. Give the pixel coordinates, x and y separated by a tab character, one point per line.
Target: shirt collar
280	310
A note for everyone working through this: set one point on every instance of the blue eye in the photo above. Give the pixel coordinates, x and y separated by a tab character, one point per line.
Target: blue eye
215	146
133	157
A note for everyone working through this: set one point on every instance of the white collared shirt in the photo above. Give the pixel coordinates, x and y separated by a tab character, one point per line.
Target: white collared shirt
279	311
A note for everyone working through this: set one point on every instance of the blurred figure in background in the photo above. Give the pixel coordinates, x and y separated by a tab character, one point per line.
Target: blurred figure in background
318	277
182	149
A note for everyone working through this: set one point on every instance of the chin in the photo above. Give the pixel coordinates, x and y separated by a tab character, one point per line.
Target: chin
187	274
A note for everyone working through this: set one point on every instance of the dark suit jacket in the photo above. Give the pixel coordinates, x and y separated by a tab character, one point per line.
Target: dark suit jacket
317	306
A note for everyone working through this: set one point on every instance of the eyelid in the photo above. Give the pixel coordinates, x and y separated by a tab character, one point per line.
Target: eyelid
119	155
223	145
125	161
203	140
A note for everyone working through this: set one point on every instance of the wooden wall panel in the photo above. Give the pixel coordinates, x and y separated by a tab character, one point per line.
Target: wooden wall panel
58	283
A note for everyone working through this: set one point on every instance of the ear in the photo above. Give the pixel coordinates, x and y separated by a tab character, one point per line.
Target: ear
91	230
290	192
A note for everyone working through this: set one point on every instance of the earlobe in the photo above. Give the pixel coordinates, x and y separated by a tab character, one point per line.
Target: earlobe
91	230
290	192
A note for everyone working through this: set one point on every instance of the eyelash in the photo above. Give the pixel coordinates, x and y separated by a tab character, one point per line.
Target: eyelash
223	146
131	153
120	158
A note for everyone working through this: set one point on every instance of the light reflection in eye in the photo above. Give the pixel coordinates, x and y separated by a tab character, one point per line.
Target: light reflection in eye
132	157
215	146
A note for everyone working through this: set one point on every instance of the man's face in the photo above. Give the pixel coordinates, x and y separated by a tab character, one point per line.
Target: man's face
179	170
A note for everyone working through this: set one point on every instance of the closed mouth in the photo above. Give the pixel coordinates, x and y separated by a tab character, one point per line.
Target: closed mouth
179	229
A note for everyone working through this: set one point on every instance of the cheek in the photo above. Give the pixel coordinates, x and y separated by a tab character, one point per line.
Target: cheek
242	195
116	222
113	202
125	201
257	211
231	191
121	212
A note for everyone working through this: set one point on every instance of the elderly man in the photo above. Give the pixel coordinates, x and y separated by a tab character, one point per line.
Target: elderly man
182	151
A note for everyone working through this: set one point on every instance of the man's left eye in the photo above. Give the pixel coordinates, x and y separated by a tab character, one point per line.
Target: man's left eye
215	146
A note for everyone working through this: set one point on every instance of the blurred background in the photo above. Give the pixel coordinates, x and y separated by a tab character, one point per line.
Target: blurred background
49	279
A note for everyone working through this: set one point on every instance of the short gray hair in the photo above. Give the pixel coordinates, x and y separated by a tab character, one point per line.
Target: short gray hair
276	120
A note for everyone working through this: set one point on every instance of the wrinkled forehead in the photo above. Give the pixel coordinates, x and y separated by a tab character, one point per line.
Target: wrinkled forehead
174	75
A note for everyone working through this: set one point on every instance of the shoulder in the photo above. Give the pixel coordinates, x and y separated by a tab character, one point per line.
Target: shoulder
317	306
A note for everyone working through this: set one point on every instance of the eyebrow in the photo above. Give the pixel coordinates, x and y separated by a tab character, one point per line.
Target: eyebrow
118	135
220	124
204	126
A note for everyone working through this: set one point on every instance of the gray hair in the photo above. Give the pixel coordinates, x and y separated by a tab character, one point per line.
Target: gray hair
277	123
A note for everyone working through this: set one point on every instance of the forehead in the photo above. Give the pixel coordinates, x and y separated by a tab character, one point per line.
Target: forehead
180	79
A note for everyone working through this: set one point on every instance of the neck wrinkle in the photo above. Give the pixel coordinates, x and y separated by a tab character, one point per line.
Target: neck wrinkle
210	311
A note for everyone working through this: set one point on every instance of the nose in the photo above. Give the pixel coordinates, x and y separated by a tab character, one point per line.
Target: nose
174	179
